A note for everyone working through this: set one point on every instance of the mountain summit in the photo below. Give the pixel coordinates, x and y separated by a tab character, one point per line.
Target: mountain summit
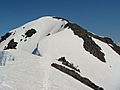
52	53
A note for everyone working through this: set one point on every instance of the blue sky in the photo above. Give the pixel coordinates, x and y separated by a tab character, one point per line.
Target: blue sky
99	16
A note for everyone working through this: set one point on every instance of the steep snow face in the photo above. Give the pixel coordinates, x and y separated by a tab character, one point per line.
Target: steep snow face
52	53
104	74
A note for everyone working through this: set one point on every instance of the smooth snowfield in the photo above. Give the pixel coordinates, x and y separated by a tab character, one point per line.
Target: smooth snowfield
32	72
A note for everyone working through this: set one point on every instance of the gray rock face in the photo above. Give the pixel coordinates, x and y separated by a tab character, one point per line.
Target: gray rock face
11	45
89	44
30	32
77	76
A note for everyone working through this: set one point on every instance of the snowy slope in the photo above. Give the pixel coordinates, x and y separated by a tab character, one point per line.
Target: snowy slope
90	62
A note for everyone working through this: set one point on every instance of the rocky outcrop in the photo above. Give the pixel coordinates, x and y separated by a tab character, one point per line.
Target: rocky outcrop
30	32
77	76
11	45
107	40
5	36
68	64
115	48
63	19
89	44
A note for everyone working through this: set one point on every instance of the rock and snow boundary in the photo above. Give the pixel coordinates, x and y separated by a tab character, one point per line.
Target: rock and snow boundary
29	58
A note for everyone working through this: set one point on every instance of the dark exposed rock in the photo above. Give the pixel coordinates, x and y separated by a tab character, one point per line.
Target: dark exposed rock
5	36
62	26
108	41
63	19
104	39
48	34
30	32
89	44
94	49
68	64
11	45
25	40
21	39
77	76
23	35
14	33
116	48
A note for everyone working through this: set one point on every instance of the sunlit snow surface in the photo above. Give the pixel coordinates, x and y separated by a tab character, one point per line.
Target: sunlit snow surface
32	72
5	57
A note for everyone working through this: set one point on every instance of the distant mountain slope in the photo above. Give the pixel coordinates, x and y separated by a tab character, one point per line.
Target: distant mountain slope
118	44
52	53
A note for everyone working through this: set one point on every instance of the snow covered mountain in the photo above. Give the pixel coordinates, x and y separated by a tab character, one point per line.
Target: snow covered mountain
52	53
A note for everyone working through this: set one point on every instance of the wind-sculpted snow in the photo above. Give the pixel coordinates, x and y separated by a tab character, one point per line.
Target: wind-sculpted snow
36	51
53	53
